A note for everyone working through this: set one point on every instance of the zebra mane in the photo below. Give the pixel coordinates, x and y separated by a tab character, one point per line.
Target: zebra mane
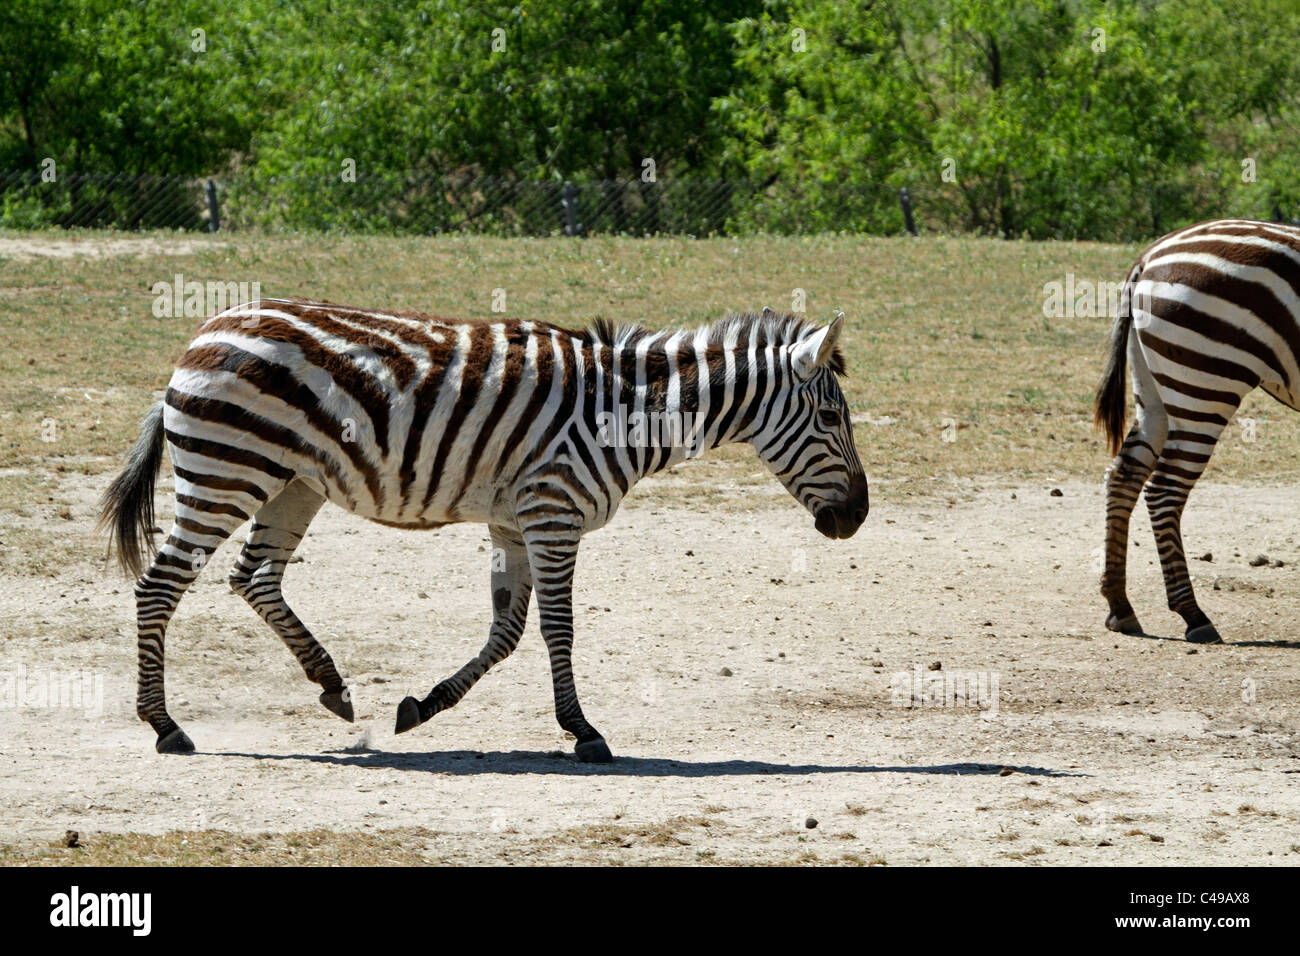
768	328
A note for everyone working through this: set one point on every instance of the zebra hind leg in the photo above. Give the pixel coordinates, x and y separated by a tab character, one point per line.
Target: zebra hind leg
278	528
1180	465
1128	473
512	587
180	560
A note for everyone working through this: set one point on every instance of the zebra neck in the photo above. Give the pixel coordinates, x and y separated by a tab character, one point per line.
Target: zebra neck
672	400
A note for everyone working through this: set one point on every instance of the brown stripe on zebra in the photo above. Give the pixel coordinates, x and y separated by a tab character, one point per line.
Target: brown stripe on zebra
221	451
341	368
218	483
1248	295
278	382
218	411
1250	255
475	361
612	454
512	373
545	365
1215	365
1196	391
319	315
563	366
740	386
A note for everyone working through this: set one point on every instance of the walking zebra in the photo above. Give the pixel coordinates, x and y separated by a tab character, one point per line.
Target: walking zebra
1207	314
415	422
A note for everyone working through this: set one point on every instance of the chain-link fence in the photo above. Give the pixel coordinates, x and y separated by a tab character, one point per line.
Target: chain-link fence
32	200
493	205
423	205
427	205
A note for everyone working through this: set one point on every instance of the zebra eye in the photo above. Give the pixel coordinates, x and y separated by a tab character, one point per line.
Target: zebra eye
829	417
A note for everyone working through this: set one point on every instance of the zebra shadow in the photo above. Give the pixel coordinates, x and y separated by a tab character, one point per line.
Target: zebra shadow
555	762
1176	639
1287	645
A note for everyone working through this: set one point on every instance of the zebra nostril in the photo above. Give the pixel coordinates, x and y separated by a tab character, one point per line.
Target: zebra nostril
860	515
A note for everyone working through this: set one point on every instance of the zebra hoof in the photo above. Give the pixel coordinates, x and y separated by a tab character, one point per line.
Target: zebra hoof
408	715
1124	625
338	702
593	751
176	742
1204	634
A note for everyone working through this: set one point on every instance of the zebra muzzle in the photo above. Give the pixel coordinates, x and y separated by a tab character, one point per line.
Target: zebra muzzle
838	523
842	521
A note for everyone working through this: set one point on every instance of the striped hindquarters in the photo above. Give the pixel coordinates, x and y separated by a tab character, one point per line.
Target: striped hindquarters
1209	313
1216	307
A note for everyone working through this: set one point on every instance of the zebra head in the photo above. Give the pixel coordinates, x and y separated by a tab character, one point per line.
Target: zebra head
807	441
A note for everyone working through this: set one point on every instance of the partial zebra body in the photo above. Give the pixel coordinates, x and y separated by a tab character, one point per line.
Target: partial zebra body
399	419
415	422
1208	314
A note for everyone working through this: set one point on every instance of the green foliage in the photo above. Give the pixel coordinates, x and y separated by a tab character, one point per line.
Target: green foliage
111	86
23	210
1043	118
586	88
1052	119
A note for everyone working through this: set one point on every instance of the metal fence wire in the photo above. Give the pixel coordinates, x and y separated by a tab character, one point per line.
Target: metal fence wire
426	205
506	206
31	200
484	204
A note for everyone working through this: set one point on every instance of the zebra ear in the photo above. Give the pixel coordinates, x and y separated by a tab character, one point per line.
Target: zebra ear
816	350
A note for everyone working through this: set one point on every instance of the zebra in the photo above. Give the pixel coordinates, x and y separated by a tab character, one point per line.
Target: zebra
414	421
1206	314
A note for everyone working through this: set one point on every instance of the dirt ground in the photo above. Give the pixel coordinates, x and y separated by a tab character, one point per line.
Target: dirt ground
746	672
96	247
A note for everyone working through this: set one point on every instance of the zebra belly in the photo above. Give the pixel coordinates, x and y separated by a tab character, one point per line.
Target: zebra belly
1282	394
482	505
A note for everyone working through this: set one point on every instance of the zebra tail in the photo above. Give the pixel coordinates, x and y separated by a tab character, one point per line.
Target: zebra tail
127	506
1109	413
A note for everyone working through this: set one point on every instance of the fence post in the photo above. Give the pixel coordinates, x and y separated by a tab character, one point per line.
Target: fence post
569	203
214	211
905	200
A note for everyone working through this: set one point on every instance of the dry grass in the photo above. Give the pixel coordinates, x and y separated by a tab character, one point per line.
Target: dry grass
679	841
940	328
50	547
669	833
412	846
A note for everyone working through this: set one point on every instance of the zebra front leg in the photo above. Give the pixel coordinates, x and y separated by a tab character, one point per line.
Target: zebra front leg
553	556
278	528
1128	473
511	589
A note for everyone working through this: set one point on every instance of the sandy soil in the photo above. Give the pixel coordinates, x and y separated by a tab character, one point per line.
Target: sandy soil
96	247
743	670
